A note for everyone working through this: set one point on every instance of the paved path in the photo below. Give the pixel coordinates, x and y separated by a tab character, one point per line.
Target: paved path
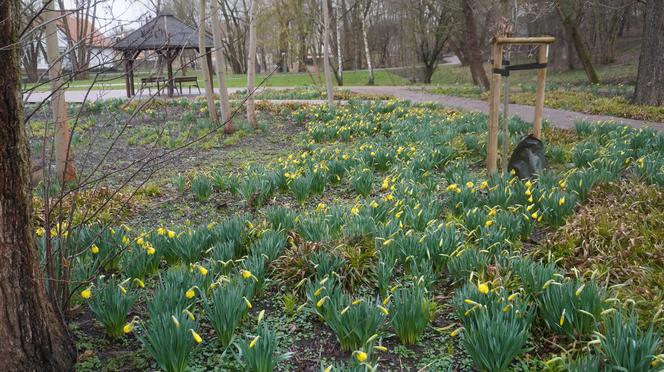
557	118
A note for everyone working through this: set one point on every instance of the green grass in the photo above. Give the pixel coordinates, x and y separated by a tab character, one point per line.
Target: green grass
360	77
613	73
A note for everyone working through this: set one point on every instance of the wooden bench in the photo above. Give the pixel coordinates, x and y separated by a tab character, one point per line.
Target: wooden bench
147	82
192	80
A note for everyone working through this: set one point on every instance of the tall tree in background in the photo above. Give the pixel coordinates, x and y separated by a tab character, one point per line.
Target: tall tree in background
251	67
365	40
326	53
473	53
650	79
566	9
221	68
340	60
34	337
203	56
63	164
432	26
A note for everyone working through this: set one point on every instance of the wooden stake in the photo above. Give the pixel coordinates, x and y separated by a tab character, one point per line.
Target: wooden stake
494	103
542	57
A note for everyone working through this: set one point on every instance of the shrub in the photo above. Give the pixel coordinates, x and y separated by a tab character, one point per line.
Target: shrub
271	243
170	339
111	304
260	354
626	346
353	322
361	181
201	187
281	218
572	307
409	313
225	309
496	328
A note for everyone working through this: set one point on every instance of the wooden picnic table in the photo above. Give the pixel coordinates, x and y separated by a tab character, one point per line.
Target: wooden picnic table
178	81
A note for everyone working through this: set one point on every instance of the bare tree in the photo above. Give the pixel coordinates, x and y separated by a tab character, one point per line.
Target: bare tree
473	53
365	40
251	66
432	26
566	10
326	54
204	54
34	337
63	164
650	80
221	68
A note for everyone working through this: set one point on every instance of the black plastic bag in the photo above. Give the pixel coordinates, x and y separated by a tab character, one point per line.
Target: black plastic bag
528	159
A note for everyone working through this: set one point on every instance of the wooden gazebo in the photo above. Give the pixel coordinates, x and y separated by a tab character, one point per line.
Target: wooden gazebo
165	35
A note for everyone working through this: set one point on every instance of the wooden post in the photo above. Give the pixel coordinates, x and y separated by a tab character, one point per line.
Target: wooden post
494	103
169	61
126	69
542	57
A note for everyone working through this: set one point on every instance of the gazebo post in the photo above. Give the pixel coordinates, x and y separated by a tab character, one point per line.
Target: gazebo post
170	72
126	69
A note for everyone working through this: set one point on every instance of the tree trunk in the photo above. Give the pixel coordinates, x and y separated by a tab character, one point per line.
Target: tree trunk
340	60
326	54
251	67
33	338
365	40
580	46
473	48
221	68
63	164
650	78
203	52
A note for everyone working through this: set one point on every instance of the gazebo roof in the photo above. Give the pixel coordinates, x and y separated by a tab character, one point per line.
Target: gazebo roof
160	33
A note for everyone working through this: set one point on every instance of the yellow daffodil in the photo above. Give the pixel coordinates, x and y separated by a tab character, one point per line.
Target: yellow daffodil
40	231
380	348
171	234
202	270
246	301
161	231
528	184
383	310
321	302
456	332
484	185
512	296
361	356
139	283
150	250
196	336
470	184
562	318
534	215
561	201
492	212
355	211
253	342
488	223
483	288
128	327
246	274
373	204
175	321
190	293
86	293
94	249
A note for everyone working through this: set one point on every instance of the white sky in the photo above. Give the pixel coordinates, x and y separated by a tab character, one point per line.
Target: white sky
113	13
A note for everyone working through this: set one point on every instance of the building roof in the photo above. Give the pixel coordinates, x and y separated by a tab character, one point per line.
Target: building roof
162	32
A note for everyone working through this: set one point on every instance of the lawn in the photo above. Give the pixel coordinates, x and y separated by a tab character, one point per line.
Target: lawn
368	236
116	81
